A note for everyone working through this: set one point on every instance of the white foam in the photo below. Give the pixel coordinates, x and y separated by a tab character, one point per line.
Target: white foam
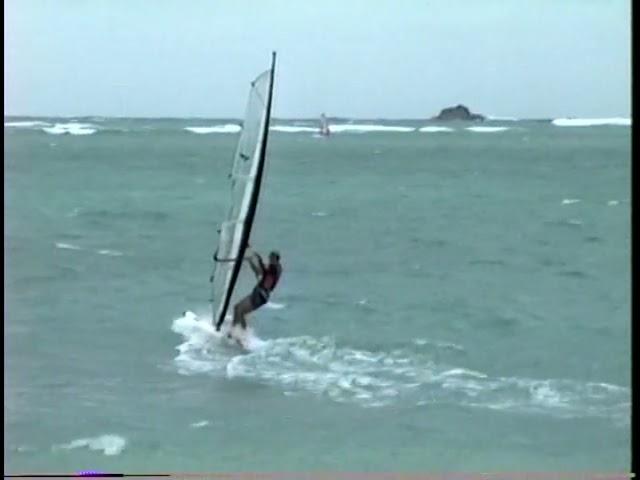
569	201
55	130
487	129
438	344
612	202
71	128
228	128
245	338
205	350
24	449
591	122
544	394
109	444
561	398
200	424
305	365
504	119
67	246
275	306
362	128
319	214
319	367
26	124
286	129
112	253
462	372
434	129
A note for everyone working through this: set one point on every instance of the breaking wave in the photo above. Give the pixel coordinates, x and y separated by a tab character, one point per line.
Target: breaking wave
27	124
228	128
286	129
487	129
71	129
434	129
591	122
108	444
363	128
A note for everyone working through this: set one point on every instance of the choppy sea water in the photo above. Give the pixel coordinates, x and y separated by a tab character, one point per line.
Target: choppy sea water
455	297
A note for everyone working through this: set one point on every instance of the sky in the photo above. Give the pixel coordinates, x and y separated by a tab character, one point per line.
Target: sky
348	58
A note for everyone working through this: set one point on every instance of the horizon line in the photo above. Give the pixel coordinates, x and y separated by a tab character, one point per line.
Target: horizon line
339	117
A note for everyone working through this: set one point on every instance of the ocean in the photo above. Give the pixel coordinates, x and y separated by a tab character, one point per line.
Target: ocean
455	297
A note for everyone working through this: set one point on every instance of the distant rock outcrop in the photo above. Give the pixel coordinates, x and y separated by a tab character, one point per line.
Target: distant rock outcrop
459	112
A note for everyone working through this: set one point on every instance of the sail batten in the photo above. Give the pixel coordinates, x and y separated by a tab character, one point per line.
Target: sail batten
246	179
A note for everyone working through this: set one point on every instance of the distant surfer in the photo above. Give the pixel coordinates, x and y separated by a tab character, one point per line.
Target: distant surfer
268	276
324	126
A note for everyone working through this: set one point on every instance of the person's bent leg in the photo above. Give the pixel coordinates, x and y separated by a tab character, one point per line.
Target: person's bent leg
240	310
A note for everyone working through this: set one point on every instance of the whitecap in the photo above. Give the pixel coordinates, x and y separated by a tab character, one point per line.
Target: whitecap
505	119
487	129
287	129
67	246
591	122
612	202
112	253
228	128
109	444
462	372
71	128
569	201
434	129
438	344
26	124
363	128
200	424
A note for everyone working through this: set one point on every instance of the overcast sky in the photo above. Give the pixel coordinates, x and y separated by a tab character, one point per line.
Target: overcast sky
353	58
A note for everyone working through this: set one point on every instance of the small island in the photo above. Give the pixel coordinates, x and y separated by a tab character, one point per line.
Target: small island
459	112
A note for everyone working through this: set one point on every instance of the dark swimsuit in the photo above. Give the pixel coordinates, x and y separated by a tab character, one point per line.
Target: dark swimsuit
260	294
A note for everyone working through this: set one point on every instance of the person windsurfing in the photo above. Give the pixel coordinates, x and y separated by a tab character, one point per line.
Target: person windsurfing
268	276
324	126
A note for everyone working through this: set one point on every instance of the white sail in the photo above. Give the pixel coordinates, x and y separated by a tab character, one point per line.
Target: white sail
246	177
324	126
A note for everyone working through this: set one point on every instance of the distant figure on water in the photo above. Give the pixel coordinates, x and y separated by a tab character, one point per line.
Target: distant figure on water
324	126
268	279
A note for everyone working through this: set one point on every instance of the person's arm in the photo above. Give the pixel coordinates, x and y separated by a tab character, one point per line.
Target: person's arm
263	269
257	269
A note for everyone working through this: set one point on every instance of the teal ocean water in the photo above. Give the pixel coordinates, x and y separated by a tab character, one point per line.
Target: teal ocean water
454	298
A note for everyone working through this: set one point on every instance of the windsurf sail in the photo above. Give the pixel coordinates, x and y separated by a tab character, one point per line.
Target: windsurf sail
324	126
246	178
